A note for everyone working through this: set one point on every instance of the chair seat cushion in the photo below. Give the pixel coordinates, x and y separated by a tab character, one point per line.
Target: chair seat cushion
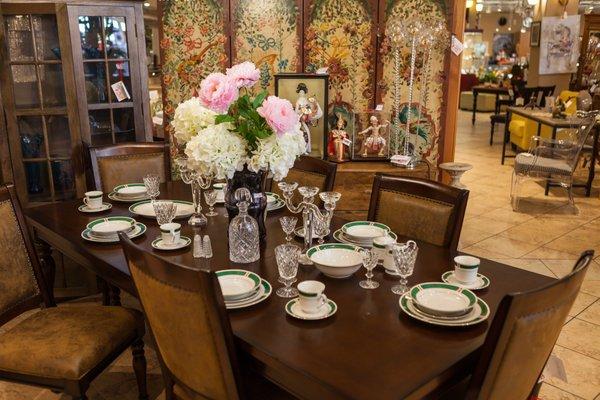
66	342
524	163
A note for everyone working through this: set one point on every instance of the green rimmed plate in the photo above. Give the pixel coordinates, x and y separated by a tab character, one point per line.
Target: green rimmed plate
442	299
138	230
272	197
109	226
479	313
145	209
481	281
264	291
339	236
114	196
184	241
130	190
364	231
293	308
238	284
275	206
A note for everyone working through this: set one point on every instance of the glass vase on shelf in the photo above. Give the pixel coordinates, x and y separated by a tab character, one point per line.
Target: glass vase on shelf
244	244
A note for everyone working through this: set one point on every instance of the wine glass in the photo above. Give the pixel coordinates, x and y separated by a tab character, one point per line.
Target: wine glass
370	259
405	256
152	183
210	196
320	229
287	255
288	224
165	211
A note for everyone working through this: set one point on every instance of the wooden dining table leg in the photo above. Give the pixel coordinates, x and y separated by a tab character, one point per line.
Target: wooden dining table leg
474	107
47	263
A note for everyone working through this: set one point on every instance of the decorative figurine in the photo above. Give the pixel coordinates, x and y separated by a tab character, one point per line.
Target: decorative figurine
558	109
375	143
338	140
309	111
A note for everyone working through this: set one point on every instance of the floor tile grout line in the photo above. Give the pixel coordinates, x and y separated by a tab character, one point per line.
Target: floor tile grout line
578	352
563	390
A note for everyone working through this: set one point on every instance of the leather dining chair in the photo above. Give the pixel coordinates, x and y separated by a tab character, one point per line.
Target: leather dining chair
186	313
310	171
60	348
419	209
521	338
128	163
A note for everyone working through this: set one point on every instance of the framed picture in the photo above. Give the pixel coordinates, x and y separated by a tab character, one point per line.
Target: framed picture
559	45
371	139
536	30
308	93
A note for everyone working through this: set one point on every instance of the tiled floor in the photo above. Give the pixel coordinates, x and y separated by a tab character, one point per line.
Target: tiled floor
546	238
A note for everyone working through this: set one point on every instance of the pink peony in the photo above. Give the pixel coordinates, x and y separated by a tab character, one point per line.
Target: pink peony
279	114
217	92
244	74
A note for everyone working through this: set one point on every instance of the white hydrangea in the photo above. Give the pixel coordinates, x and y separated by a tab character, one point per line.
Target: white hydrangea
215	151
278	153
190	117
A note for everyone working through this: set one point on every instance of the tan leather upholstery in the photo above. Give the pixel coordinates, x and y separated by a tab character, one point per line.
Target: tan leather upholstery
17	281
66	342
184	335
413	216
116	170
529	340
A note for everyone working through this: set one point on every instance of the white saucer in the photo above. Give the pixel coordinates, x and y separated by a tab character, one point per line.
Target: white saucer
264	292
184	241
481	282
114	196
86	209
327	310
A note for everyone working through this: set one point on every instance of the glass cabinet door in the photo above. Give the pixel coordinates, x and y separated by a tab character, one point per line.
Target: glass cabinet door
107	71
40	138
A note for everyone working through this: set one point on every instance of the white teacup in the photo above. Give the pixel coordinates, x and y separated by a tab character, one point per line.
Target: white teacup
221	187
380	247
93	199
311	296
170	233
465	268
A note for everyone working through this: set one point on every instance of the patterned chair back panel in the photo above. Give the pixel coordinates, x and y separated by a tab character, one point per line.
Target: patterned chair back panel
415	217
17	280
117	170
185	335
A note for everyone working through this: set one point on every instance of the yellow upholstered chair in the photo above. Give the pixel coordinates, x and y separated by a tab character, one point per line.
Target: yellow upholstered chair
61	348
419	209
522	129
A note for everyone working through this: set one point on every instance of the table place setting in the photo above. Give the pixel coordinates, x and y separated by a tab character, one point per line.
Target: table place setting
104	230
129	193
241	288
146	208
92	202
311	303
171	238
363	233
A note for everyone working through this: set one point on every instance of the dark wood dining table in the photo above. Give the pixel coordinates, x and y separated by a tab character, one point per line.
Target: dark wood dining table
368	350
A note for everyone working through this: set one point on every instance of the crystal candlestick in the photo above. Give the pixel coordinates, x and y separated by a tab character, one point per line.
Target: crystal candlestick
198	182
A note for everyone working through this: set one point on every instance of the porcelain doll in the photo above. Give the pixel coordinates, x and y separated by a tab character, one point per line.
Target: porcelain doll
337	137
374	142
309	111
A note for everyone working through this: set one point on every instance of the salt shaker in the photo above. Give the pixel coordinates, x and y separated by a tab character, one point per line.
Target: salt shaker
207	247
198	248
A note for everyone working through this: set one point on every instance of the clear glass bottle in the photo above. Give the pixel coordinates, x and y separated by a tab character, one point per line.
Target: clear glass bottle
244	244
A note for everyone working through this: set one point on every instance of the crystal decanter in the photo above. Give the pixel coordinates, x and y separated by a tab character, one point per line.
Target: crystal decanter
243	232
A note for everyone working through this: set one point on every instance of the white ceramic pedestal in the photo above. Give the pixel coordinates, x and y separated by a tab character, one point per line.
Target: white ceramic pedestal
455	170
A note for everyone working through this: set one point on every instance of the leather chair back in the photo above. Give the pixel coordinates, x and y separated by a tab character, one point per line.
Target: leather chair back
185	311
128	163
310	171
522	336
419	209
21	283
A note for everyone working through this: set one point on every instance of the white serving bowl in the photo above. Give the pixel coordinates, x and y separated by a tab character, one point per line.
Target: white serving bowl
364	231
444	299
336	260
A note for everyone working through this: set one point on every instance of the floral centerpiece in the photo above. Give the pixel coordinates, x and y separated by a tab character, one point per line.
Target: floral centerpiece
228	134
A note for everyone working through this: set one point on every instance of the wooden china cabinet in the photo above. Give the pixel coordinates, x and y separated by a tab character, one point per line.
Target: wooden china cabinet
61	66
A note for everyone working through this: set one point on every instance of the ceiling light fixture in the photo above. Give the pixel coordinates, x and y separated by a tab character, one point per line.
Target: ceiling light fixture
469	3
532	2
146	4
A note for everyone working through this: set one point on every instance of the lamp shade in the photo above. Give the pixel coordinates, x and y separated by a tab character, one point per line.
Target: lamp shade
479	7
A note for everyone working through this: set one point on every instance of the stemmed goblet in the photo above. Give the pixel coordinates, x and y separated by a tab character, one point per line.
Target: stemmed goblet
165	211
210	196
405	255
370	259
152	183
287	255
288	224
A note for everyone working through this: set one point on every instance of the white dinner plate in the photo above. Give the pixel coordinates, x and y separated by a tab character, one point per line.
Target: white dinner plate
438	298
327	310
263	293
115	197
237	284
480	312
145	209
364	231
130	190
138	230
109	226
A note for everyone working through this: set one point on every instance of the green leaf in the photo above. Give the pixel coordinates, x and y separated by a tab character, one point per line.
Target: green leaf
258	100
219	119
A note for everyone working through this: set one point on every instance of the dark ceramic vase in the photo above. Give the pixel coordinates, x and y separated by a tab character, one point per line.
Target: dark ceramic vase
254	182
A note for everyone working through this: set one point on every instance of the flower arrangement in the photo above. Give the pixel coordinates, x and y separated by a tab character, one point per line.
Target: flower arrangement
225	129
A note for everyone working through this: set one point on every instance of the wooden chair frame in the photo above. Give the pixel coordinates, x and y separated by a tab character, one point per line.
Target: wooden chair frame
318	166
428	189
76	388
126	149
203	281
